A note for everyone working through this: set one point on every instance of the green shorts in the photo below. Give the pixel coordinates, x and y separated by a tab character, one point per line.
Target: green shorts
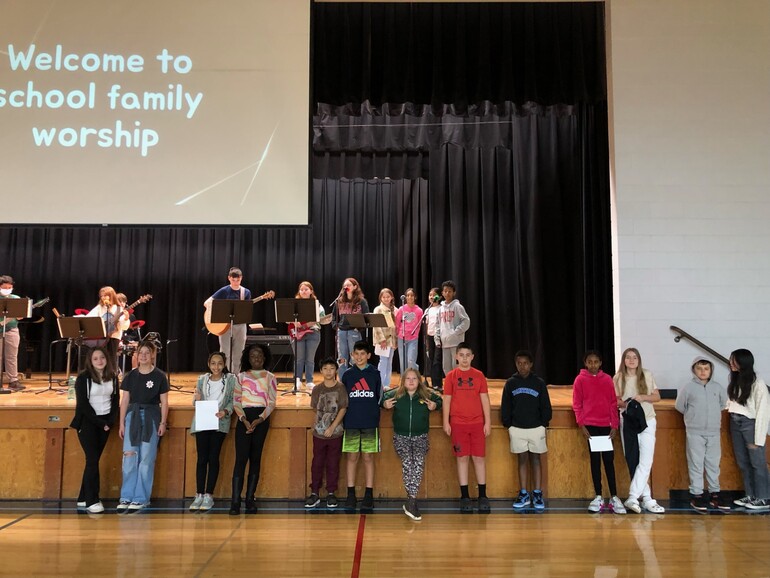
366	441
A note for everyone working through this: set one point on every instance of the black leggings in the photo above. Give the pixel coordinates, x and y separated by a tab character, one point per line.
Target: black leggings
609	463
248	447
209	445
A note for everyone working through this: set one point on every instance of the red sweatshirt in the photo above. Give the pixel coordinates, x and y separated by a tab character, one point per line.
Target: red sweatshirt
594	401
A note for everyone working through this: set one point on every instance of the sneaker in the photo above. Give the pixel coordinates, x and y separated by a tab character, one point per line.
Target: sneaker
522	500
411	509
537	500
718	503
135	507
466	506
368	502
207	503
596	505
196	504
699	503
653	507
96	508
81	504
16	386
633	505
484	505
350	502
741	502
616	506
331	501
312	501
758	504
123	506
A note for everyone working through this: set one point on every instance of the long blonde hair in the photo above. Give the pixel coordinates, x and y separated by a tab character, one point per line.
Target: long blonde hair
620	376
422	389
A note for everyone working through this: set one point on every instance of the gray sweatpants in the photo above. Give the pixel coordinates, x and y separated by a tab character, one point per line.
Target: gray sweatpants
703	455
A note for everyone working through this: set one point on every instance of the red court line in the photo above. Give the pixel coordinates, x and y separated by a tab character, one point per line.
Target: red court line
359	547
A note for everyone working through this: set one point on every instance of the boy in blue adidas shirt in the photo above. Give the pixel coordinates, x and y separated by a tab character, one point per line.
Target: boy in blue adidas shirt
362	437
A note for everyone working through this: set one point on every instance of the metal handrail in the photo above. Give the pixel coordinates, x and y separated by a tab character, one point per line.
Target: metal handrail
698	342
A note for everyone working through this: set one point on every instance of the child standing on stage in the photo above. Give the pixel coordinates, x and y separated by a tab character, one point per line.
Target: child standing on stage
467	422
453	323
362	420
411	403
385	337
408	319
596	413
330	400
433	351
351	300
525	411
307	335
217	385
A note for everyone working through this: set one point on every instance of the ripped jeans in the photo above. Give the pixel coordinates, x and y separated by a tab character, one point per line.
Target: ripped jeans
138	466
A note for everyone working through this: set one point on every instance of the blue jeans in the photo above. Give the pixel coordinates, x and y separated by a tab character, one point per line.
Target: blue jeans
346	339
407	354
138	468
306	348
751	462
386	369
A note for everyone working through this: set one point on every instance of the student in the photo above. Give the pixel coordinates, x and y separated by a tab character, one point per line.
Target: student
701	401
385	337
96	408
361	421
408	319
217	385
253	402
453	323
143	421
330	400
633	382
749	409
9	342
525	411
467	422
233	290
433	351
411	402
350	300
596	412
116	319
308	335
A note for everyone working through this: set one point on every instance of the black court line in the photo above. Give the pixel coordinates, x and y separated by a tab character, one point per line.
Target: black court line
205	565
16	521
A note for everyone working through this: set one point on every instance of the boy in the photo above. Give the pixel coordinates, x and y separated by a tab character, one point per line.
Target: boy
362	437
453	322
330	400
467	422
10	341
525	411
238	332
701	402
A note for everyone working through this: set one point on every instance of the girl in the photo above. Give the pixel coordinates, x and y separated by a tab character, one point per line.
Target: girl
632	381
253	402
412	403
143	415
307	335
596	413
749	416
385	337
408	319
432	351
217	385
116	319
350	300
96	407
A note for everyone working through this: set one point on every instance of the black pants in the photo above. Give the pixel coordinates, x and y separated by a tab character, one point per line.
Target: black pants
209	446
248	447
436	368
92	438
597	458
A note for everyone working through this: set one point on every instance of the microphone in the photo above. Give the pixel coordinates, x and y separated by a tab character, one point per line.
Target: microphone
403	299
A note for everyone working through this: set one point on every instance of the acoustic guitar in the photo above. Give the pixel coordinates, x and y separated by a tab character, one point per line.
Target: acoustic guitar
221	328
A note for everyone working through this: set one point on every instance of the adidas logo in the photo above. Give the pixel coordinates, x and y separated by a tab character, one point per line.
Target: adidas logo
361	389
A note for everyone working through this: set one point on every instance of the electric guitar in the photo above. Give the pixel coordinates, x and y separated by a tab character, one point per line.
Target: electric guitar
221	328
35	305
297	333
142	299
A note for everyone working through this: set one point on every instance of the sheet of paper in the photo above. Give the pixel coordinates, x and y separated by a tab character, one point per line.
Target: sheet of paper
600	444
382	351
206	415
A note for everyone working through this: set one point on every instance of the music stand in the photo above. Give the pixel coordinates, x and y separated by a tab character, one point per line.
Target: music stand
11	307
75	330
296	311
233	312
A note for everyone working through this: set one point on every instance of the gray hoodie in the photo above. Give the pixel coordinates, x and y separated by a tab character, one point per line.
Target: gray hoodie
453	322
701	404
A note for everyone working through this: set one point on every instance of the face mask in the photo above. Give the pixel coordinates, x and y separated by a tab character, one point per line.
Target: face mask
5	292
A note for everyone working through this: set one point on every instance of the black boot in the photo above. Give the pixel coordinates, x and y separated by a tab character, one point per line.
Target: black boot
251	489
235	504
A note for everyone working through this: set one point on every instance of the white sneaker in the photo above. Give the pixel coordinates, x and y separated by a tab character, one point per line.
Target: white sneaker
96	508
208	502
653	507
741	502
81	504
596	504
196	504
616	505
123	506
633	505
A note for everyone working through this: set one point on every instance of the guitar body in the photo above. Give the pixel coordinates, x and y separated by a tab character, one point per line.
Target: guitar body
220	329
298	334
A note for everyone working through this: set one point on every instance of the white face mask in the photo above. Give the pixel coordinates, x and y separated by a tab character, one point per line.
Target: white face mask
5	292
